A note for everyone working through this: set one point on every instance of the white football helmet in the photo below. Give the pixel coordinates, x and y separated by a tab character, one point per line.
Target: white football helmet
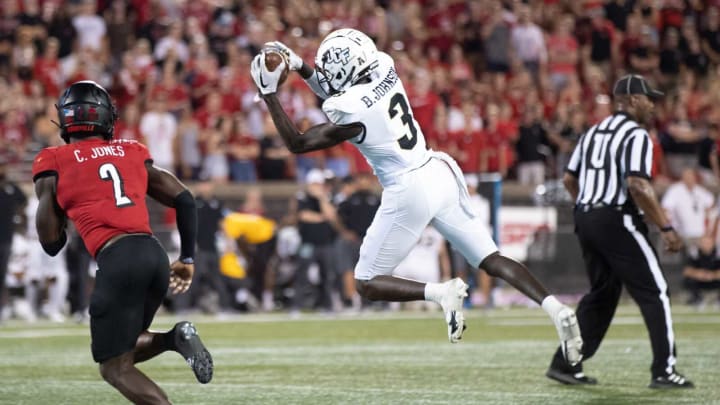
345	57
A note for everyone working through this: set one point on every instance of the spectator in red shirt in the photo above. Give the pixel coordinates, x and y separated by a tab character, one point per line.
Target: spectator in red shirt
563	53
137	72
229	94
460	70
496	152
171	89
424	102
47	68
208	115
238	61
438	135
204	79
631	38
469	140
14	135
128	126
440	25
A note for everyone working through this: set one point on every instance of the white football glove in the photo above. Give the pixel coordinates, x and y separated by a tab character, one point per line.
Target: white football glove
294	61
265	80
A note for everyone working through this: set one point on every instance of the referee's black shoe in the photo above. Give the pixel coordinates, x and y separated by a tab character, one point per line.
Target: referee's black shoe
570	377
672	380
188	344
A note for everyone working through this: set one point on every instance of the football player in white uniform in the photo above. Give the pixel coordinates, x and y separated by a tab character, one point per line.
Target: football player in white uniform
366	104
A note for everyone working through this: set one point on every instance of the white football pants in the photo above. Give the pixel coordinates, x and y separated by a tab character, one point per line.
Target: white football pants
433	193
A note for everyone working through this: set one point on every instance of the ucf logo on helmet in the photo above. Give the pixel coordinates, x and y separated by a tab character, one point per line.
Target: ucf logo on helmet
337	55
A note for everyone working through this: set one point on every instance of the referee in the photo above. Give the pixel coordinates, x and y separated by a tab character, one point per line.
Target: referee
608	177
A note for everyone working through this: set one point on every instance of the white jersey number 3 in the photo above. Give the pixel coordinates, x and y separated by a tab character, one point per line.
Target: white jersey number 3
406	141
108	171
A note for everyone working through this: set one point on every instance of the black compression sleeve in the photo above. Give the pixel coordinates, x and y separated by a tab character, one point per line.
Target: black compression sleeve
54	248
186	218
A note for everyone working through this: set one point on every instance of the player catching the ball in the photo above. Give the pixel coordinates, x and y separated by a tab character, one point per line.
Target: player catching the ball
100	184
366	104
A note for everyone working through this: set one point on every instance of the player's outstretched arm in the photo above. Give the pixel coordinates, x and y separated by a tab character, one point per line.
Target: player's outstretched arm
318	137
165	188
50	220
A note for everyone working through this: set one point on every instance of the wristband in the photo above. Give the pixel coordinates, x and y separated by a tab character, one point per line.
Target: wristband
187	260
667	228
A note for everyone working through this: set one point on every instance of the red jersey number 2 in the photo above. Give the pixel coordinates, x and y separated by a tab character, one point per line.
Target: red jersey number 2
109	172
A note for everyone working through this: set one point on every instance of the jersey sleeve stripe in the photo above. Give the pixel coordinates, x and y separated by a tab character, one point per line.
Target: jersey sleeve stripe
362	135
637	147
649	158
44	173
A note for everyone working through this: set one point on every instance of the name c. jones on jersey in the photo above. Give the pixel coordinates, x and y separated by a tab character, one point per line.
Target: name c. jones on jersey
99	152
382	89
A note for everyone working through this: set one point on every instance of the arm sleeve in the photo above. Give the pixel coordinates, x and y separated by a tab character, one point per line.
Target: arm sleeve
638	155
318	88
336	112
144	152
187	222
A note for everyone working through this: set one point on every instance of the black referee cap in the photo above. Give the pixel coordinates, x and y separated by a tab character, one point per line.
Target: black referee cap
635	84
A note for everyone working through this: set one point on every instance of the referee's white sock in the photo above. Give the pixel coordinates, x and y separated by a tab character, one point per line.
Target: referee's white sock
435	291
552	306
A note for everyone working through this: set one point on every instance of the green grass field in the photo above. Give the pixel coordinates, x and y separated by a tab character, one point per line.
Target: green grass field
374	358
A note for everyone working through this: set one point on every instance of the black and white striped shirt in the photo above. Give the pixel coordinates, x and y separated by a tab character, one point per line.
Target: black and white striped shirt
605	155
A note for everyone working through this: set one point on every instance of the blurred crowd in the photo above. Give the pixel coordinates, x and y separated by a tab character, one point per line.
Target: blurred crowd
502	85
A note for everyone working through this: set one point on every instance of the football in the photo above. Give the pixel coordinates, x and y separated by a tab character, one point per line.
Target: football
272	60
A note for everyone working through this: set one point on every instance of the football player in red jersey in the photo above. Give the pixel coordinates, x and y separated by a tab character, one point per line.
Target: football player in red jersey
100	184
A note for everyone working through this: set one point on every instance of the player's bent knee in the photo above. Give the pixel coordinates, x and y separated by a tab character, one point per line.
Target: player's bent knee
362	287
490	263
110	373
114	369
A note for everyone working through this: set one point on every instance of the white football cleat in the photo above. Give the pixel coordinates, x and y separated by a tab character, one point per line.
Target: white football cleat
568	330
452	305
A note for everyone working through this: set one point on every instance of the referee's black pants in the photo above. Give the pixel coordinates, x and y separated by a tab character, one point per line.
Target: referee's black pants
617	252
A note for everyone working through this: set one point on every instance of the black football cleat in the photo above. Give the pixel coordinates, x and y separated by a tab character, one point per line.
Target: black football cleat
672	380
189	345
570	378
